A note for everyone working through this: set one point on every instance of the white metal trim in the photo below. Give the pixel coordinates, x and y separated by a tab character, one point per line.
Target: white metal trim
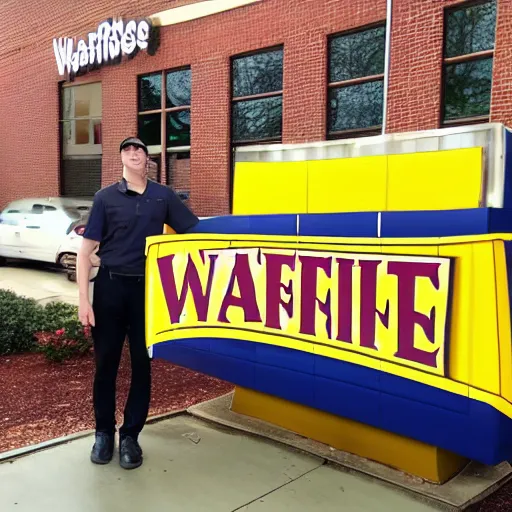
197	10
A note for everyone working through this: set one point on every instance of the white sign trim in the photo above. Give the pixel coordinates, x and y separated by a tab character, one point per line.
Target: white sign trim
197	10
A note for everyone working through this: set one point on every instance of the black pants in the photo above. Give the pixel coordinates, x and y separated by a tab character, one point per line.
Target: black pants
119	310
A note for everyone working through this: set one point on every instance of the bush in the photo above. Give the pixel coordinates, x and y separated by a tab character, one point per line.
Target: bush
20	318
54	329
61	345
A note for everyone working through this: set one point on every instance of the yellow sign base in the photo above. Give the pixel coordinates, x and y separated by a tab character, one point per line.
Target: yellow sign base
413	457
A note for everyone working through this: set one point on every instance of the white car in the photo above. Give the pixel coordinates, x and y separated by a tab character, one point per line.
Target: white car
44	229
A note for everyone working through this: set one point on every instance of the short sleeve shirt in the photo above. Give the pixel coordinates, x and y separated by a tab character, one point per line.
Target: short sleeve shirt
121	220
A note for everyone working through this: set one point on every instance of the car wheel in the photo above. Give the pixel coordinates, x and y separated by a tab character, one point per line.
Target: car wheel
72	276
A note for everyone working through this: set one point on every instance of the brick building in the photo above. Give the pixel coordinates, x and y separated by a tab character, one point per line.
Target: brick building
270	71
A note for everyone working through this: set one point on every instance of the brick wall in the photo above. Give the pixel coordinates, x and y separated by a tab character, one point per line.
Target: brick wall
29	80
415	86
501	102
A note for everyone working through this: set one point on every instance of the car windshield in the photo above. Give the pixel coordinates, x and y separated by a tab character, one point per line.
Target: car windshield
74	213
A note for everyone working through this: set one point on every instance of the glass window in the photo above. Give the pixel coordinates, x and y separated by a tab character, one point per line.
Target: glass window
178	174
356	82
356	106
178	88
471	29
469	51
81	120
257	119
257	103
468	89
258	74
150	92
150	129
357	55
178	128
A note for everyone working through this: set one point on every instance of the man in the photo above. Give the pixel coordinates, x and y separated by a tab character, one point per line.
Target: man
123	215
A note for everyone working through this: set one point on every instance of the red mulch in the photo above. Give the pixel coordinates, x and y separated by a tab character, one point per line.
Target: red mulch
40	400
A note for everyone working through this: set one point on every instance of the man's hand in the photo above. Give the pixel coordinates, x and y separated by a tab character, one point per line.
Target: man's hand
85	313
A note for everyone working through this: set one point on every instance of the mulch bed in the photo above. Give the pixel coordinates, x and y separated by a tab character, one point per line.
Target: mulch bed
40	400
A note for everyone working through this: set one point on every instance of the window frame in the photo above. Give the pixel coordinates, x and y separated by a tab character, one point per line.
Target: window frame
356	132
265	95
461	59
160	151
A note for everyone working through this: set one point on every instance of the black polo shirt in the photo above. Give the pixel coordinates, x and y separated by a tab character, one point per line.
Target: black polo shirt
122	219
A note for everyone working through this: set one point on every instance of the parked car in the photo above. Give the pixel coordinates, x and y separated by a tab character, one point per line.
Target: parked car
44	229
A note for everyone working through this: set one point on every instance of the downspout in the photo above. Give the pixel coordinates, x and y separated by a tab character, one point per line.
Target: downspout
389	12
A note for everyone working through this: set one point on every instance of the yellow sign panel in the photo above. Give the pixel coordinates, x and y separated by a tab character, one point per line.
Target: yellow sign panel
386	307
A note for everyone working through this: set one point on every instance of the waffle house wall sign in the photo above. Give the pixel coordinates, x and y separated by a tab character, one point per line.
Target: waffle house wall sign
387	307
112	40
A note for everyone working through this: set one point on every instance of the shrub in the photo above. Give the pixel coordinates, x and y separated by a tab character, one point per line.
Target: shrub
20	318
61	335
54	329
62	344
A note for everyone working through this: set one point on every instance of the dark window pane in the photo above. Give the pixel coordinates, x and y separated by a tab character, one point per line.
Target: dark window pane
178	174
356	106
257	119
178	88
357	55
150	129
178	128
154	168
468	89
150	92
471	29
257	74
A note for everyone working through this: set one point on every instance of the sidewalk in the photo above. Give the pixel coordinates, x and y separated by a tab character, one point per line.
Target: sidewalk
192	465
43	284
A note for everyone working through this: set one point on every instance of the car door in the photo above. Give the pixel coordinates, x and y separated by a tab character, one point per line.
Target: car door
11	220
42	232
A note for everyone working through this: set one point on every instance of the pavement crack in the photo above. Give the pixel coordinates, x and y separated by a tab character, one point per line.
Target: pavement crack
242	507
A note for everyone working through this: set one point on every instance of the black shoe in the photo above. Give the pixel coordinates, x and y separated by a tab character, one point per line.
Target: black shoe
130	453
103	448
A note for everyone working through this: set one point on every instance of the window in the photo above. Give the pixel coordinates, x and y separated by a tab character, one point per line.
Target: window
178	174
356	82
164	118
81	119
164	109
257	97
468	62
81	144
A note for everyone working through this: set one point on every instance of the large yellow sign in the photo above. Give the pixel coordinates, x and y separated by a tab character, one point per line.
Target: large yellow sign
386	307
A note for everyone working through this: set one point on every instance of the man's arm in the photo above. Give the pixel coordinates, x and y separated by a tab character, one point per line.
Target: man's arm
179	216
90	241
83	272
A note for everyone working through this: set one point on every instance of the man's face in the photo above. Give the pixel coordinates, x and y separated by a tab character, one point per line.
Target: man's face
134	159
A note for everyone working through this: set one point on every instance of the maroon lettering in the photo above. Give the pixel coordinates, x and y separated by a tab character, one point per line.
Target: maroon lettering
369	303
345	299
247	300
309	298
191	281
275	263
407	272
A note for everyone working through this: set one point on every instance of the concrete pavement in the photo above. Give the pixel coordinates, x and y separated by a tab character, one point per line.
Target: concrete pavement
192	465
37	281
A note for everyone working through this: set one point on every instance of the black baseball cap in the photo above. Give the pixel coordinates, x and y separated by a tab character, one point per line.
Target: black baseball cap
133	141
